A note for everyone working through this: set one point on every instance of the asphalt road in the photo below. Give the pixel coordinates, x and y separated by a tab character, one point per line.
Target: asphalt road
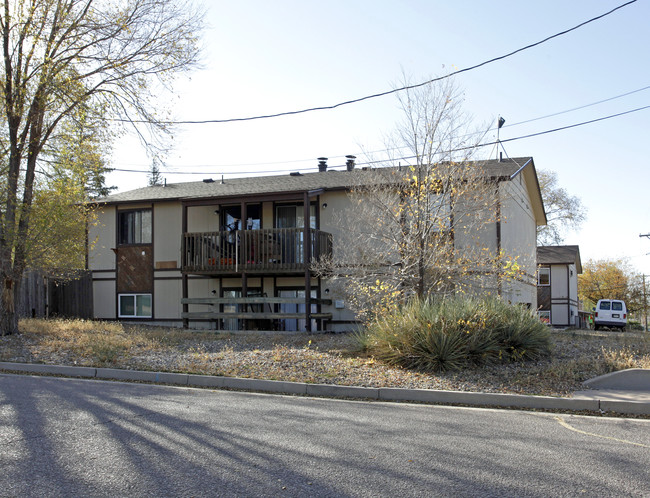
64	437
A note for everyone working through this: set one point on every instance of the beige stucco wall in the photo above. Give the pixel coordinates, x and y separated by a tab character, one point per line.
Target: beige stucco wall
519	239
267	214
167	299
101	236
332	218
104	299
559	282
564	285
202	219
167	230
101	259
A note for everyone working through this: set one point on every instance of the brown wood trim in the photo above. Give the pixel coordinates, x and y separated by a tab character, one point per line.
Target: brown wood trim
166	265
280	196
184	295
252	315
253	300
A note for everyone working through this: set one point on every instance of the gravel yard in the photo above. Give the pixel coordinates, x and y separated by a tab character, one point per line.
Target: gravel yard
321	358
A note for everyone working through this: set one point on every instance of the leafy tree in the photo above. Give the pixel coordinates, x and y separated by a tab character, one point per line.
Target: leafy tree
80	152
563	211
73	174
610	279
60	56
417	230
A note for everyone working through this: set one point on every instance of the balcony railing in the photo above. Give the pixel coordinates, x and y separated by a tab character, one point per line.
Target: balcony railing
266	250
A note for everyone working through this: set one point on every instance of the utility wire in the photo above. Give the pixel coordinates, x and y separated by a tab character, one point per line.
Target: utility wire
575	125
404	158
389	92
577	108
404	147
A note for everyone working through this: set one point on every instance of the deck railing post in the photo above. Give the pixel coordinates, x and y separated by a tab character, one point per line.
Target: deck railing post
306	251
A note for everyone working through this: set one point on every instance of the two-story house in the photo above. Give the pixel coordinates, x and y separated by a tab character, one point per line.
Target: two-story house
236	254
557	284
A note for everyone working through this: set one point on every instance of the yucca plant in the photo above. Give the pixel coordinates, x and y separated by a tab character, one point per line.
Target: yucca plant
451	333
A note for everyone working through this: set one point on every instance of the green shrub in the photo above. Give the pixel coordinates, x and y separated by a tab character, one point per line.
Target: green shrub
452	333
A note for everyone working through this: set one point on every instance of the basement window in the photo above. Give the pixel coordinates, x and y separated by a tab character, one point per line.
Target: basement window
134	305
545	316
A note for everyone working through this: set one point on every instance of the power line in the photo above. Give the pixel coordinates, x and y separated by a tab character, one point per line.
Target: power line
577	124
404	158
579	107
389	92
403	147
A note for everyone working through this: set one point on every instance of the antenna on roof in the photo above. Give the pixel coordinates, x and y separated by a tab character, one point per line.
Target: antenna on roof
501	121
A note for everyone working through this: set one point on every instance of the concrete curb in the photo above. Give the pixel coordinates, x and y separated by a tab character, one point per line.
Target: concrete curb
327	390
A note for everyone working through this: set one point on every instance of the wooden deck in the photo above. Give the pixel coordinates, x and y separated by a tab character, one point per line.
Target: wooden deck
273	250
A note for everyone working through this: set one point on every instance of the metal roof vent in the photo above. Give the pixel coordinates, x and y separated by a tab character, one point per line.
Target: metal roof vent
295	173
322	164
208	180
349	164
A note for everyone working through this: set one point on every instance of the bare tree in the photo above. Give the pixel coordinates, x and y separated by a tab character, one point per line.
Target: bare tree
59	55
419	228
563	211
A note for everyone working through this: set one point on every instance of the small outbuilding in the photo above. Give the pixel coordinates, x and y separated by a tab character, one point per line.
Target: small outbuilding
558	268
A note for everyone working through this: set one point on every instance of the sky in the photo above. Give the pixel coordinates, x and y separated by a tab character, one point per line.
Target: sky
262	57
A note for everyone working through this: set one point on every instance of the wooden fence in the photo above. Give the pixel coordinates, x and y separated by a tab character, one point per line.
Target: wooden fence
43	296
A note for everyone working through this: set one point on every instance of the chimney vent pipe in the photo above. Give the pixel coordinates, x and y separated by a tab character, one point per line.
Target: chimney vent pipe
322	164
350	162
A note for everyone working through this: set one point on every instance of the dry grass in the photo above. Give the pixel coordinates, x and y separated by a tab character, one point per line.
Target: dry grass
323	358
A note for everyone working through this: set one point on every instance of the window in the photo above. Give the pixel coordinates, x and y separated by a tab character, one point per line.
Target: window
135	305
544	276
294	216
617	306
134	227
605	305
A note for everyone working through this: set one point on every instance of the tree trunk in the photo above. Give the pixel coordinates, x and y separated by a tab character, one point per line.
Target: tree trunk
8	317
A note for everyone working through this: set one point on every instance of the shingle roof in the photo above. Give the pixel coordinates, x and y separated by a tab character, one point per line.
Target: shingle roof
559	255
329	180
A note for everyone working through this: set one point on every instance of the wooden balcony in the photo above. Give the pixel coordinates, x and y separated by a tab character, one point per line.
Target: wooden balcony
270	250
